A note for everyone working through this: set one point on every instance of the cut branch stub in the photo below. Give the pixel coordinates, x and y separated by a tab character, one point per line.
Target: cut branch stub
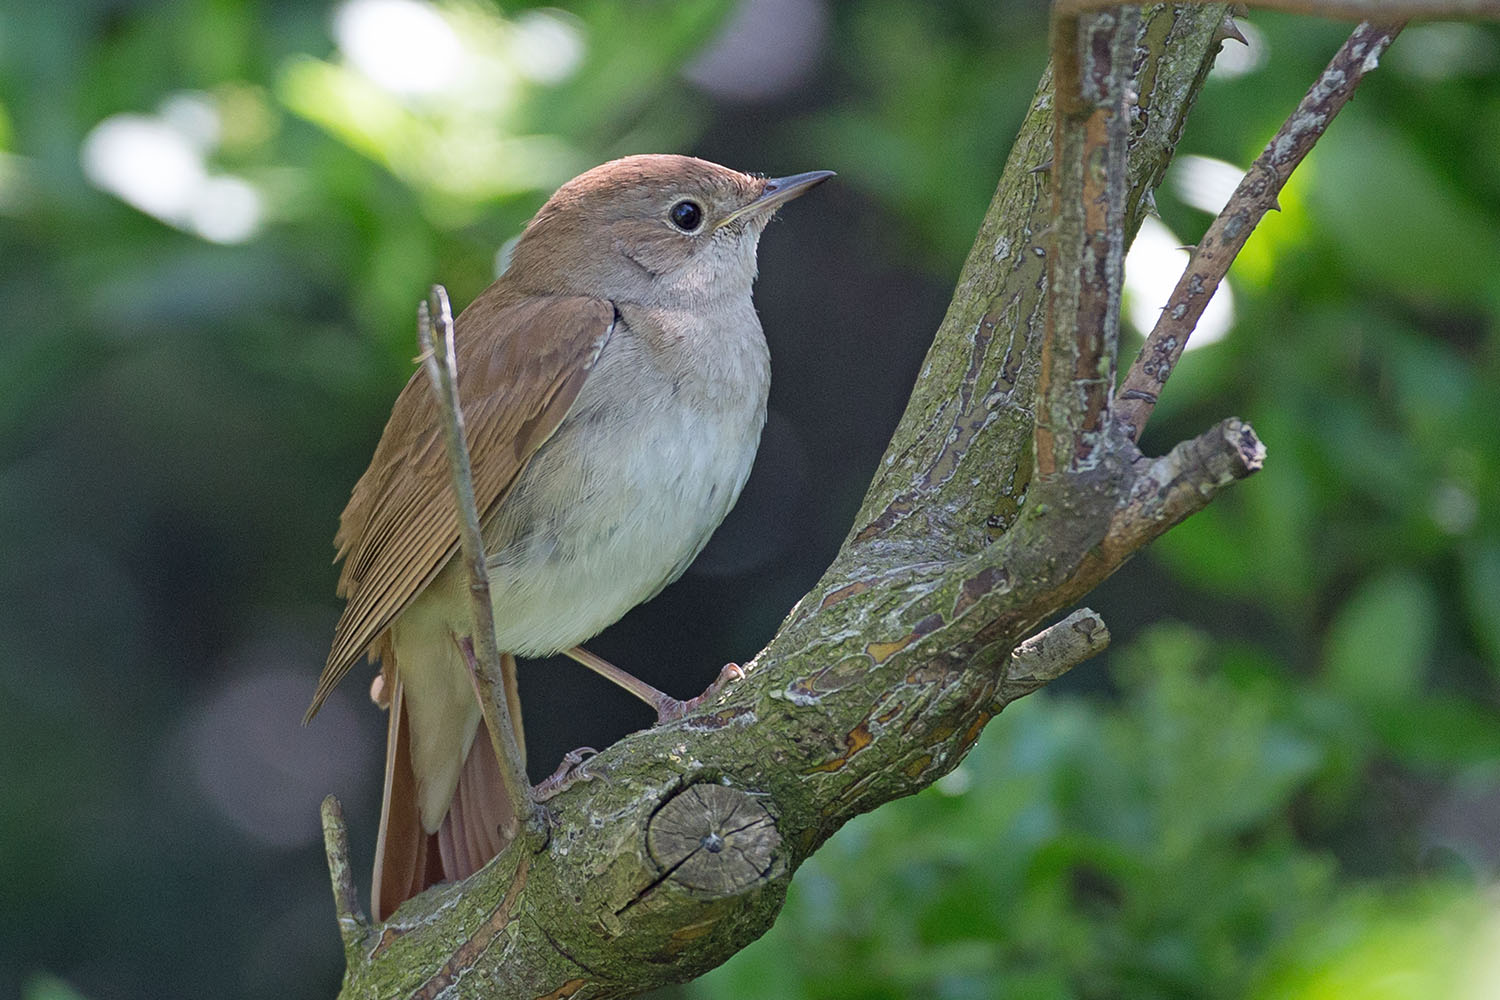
714	839
1052	652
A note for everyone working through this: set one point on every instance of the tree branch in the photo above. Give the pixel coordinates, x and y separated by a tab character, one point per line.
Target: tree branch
961	459
440	360
1088	264
1255	195
1381	11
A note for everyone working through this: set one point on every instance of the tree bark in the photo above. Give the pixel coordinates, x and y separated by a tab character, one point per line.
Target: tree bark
678	850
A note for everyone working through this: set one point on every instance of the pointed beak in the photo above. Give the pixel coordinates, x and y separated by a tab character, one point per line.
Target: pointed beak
778	191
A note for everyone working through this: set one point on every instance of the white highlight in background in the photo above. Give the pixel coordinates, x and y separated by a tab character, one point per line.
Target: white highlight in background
403	46
144	162
1204	182
156	164
548	46
1152	268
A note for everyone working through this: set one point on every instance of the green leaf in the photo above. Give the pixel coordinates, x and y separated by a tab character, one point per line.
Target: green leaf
1439	733
1407	246
1481	591
1382	638
42	986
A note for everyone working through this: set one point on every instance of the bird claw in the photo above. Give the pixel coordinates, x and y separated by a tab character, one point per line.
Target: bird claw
670	709
569	773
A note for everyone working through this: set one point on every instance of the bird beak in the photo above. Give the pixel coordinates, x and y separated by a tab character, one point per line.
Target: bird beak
777	192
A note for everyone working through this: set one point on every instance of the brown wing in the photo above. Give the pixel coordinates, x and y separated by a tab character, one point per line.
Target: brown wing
521	363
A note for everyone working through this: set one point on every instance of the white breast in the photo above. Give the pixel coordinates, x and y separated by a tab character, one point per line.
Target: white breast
619	501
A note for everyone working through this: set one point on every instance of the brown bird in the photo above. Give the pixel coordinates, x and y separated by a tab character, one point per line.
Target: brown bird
613	382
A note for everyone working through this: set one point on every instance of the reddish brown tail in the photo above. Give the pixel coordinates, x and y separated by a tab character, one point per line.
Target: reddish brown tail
408	859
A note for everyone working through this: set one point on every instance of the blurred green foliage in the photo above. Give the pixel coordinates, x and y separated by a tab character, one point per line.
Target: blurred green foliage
1295	796
1083	849
1282	782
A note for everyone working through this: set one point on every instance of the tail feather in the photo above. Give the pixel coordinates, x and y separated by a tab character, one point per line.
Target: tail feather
408	859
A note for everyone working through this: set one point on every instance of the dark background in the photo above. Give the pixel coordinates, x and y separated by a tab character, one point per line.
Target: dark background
216	217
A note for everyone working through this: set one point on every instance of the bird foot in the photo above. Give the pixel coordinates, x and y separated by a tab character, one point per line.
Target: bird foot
570	772
670	709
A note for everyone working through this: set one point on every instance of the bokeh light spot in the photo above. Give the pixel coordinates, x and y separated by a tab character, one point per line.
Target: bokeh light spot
144	162
1152	268
258	768
548	45
404	46
1204	182
158	164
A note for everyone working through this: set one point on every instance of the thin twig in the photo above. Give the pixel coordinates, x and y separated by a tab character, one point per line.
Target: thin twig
1352	10
1092	58
1255	195
352	922
439	358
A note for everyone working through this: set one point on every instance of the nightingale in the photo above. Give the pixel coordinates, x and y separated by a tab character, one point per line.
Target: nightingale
613	381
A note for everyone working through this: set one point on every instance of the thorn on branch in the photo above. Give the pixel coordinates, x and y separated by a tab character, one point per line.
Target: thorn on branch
1230	30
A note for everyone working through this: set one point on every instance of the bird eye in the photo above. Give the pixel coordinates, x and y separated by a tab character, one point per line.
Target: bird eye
686	215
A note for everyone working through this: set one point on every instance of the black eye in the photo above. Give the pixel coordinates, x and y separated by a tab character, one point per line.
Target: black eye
686	215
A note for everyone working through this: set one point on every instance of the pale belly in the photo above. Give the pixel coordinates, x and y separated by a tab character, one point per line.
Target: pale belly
604	518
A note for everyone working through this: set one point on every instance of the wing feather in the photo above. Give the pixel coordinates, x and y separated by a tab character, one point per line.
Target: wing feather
521	364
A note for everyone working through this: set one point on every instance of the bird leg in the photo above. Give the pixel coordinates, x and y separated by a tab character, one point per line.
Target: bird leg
667	707
569	773
728	672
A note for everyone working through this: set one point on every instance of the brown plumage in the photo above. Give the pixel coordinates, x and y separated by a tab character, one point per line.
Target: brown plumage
613	384
521	361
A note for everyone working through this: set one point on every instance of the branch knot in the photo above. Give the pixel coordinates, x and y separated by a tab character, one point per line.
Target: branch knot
714	839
